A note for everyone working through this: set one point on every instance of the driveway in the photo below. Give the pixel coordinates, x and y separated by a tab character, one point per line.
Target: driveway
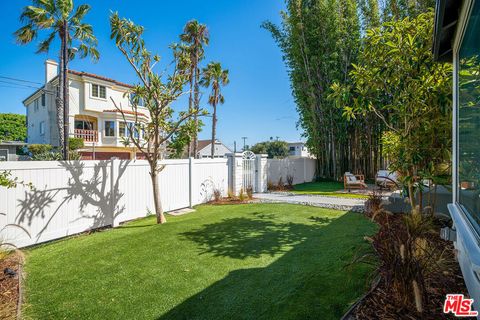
346	204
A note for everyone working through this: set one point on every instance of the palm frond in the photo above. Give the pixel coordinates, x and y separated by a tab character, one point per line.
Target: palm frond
26	34
80	13
44	45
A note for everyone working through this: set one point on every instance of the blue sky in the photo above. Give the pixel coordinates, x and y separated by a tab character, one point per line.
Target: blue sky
259	104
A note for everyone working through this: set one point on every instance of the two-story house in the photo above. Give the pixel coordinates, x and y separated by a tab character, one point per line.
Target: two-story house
92	115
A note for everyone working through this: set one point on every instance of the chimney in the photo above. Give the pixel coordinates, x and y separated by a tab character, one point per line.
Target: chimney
51	70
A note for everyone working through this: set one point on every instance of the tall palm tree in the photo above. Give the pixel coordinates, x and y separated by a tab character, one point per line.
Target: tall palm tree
76	38
214	76
196	36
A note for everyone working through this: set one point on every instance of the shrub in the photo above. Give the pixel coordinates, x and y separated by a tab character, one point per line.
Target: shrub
230	194
290	181
409	256
217	194
75	143
280	184
241	195
36	149
271	186
48	156
250	193
74	155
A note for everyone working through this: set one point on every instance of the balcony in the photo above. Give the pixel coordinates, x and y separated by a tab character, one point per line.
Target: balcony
87	135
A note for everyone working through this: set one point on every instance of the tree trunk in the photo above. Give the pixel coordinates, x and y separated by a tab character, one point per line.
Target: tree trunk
156	197
214	124
196	102
190	109
65	92
60	96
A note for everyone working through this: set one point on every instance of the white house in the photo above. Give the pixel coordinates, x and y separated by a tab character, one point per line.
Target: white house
457	40
92	114
205	149
298	149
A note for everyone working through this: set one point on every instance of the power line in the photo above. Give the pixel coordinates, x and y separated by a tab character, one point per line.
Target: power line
20	80
18	84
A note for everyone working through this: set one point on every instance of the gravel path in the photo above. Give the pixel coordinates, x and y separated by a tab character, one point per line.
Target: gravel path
346	204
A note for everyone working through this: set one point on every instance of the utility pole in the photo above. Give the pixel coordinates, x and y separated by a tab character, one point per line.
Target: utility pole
234	146
244	139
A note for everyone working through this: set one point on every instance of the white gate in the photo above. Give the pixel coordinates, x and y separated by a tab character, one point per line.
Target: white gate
249	170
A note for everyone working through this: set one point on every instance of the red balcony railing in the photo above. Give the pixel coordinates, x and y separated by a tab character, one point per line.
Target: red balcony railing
87	135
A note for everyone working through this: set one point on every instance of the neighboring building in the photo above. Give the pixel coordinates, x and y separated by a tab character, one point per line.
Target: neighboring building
457	40
205	149
298	149
92	117
8	150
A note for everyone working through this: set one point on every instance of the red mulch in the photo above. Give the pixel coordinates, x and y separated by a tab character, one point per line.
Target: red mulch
379	303
9	286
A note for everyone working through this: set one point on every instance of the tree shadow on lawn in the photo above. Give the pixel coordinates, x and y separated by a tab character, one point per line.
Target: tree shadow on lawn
309	281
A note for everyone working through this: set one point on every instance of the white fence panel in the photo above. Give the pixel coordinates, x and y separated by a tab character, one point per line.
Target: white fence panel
302	169
72	197
208	175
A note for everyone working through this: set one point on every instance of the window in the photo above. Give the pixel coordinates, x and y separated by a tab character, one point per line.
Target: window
109	128
292	149
83	125
35	105
139	102
43	99
468	126
125	128
99	91
122	128
42	127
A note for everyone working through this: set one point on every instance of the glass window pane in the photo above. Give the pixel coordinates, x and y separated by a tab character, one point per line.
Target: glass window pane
469	119
122	129
109	128
103	92
94	90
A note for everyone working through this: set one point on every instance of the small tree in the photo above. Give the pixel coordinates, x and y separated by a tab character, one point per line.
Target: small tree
213	75
274	148
158	92
398	81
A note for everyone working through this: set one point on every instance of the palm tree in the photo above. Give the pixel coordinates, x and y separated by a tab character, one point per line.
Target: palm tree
195	35
213	75
76	37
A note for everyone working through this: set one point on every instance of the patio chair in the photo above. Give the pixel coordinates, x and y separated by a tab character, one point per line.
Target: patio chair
352	181
386	179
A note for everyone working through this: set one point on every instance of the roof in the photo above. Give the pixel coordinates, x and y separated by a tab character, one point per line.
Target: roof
204	143
96	76
446	17
127	112
82	74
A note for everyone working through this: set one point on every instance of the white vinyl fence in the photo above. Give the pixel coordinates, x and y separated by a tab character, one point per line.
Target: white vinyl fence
302	169
72	197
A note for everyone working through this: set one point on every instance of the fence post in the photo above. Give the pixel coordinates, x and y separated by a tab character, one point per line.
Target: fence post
190	181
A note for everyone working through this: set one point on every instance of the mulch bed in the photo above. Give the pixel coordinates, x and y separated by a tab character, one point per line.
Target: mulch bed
378	304
226	201
10	286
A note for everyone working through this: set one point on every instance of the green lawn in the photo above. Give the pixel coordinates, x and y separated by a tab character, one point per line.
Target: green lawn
325	188
255	261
